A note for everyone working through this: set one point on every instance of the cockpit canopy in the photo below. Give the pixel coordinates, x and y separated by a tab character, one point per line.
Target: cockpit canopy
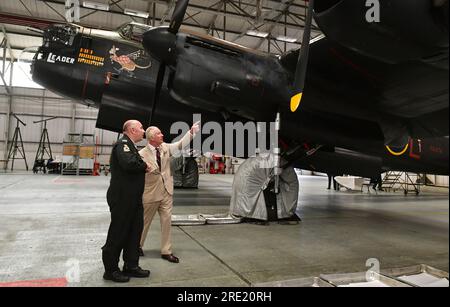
60	34
133	31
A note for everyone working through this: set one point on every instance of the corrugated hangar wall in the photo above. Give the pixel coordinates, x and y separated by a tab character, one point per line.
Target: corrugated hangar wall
36	104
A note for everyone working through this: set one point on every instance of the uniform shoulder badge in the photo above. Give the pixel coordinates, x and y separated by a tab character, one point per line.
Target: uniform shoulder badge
124	141
126	148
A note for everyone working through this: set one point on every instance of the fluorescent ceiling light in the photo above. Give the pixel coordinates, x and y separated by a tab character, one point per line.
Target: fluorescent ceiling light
136	13
317	38
257	33
286	39
96	5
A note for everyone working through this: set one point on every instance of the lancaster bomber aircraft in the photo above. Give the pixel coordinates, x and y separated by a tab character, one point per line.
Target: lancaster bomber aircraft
371	96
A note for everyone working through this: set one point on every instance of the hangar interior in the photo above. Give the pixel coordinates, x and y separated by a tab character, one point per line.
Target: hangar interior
278	23
50	222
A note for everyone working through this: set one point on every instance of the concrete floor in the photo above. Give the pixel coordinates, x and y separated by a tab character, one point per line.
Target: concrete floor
53	226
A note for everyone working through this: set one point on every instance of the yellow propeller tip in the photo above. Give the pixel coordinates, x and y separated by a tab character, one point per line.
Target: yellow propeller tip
295	102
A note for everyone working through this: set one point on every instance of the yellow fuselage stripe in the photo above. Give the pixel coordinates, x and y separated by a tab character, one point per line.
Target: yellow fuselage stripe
397	153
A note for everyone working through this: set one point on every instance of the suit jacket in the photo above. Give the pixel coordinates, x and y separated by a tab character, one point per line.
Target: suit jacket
158	180
127	175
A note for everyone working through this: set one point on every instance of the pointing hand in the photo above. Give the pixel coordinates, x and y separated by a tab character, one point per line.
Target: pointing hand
195	128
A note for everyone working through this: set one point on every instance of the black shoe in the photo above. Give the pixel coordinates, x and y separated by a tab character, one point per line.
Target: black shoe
171	258
141	252
116	276
136	272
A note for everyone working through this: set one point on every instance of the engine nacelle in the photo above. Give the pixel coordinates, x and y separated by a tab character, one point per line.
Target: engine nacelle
392	31
217	77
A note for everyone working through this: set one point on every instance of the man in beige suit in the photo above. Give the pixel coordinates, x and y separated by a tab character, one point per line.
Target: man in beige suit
158	192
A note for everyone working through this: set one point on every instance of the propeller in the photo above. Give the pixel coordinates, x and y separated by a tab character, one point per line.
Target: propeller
158	86
160	42
178	15
302	64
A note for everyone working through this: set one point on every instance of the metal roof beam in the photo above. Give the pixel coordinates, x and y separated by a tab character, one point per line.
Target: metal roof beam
256	24
212	24
39	23
25	21
28	10
7	44
243	14
166	13
8	90
278	18
95	11
23	34
54	10
204	9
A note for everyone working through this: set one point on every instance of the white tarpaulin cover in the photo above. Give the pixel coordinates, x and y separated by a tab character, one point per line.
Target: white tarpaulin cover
425	280
203	219
350	182
251	179
368	284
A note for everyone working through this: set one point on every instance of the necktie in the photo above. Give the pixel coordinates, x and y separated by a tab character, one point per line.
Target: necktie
158	158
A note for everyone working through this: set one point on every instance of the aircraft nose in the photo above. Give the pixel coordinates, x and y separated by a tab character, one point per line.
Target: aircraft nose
160	43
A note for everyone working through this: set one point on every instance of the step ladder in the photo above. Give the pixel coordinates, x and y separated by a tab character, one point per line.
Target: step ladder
407	182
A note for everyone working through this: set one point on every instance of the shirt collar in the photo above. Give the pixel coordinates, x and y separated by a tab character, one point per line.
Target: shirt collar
152	148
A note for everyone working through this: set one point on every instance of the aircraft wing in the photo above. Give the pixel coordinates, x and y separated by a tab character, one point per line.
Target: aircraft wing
393	71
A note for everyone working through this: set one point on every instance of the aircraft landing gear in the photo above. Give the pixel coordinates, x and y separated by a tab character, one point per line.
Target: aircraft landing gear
263	189
254	196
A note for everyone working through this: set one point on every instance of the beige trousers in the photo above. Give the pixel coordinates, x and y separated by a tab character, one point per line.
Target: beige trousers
164	208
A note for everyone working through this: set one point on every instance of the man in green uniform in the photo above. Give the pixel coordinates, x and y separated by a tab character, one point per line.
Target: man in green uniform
124	198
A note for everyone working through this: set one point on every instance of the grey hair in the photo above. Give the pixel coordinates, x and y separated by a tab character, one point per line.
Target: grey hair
150	132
